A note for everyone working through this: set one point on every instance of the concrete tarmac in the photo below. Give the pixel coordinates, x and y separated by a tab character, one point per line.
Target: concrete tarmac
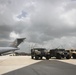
41	67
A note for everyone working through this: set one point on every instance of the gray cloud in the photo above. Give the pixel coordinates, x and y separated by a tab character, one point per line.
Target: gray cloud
40	21
5	31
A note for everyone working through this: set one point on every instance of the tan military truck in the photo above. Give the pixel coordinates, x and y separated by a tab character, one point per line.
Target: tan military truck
73	53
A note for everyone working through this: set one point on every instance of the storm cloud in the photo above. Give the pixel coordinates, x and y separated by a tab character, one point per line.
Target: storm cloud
44	23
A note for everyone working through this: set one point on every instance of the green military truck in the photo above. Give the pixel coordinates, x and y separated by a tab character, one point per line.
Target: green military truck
60	53
39	53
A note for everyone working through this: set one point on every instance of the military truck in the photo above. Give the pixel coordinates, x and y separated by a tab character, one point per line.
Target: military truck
39	53
59	53
73	52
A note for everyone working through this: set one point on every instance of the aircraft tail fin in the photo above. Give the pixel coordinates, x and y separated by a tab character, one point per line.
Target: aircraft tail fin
17	42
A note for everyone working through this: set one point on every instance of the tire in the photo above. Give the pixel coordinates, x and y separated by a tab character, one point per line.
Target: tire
58	56
32	57
74	56
62	56
36	57
68	57
47	57
50	57
41	57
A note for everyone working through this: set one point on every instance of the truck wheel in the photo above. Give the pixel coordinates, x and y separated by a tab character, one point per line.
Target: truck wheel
36	57
32	57
74	56
68	57
41	57
50	57
62	56
47	58
58	56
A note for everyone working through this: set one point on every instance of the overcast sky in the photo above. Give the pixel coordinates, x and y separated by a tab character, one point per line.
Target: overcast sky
44	23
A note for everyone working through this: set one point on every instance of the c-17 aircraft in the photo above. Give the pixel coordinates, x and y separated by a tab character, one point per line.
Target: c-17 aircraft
12	47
